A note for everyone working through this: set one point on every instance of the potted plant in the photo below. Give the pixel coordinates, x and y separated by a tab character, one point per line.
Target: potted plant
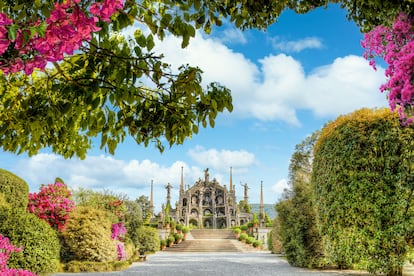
249	240
163	244
243	228
167	218
257	244
178	238
243	237
250	227
185	231
170	240
172	226
236	232
255	220
179	228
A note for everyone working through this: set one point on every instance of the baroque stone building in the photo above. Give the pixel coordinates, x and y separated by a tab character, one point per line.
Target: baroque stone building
207	204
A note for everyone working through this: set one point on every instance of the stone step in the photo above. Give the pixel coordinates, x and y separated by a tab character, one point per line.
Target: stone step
208	245
212	234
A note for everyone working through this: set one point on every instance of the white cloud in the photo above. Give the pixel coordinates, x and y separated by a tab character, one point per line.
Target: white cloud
277	87
222	160
132	177
232	36
280	186
297	45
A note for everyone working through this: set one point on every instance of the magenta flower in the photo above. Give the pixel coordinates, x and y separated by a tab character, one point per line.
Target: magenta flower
52	204
396	46
118	231
68	27
6	249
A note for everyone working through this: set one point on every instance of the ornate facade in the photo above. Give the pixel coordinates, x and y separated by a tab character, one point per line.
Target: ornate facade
207	204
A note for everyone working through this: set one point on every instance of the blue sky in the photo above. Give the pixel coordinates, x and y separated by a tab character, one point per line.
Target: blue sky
286	82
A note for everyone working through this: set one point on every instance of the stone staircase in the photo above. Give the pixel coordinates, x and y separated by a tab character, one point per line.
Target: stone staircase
203	234
208	240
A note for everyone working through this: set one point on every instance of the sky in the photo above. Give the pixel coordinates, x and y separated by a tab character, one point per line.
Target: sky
286	83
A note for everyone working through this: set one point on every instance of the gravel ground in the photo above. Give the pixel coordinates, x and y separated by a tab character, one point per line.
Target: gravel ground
200	264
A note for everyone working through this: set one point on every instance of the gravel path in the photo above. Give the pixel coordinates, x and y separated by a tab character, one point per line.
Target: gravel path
203	264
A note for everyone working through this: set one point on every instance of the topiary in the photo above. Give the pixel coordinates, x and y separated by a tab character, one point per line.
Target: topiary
147	239
362	179
40	242
14	189
87	236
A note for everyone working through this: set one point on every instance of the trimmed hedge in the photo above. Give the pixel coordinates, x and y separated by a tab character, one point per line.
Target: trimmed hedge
88	237
3	202
40	242
14	189
78	266
147	239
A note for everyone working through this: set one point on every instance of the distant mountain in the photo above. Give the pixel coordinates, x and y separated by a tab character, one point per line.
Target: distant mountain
268	208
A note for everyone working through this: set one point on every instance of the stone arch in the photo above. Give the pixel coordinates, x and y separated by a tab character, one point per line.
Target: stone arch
221	223
194	212
193	222
208	223
207	212
194	199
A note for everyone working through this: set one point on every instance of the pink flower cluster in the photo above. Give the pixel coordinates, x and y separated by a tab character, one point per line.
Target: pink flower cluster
396	46
6	249
118	233
52	204
120	249
66	29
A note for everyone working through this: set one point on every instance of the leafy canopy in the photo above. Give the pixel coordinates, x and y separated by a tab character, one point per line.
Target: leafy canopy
115	85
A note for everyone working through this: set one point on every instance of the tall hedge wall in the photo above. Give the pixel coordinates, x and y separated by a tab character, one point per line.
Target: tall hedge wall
363	179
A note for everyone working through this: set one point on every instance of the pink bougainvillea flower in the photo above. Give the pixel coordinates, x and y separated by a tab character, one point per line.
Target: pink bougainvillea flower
6	249
4	19
396	46
67	28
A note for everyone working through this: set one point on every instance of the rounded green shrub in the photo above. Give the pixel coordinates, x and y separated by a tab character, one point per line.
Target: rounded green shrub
249	240
87	236
40	242
14	189
185	229
147	239
243	237
3	201
257	243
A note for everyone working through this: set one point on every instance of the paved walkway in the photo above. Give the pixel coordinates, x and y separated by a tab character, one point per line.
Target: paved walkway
257	263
